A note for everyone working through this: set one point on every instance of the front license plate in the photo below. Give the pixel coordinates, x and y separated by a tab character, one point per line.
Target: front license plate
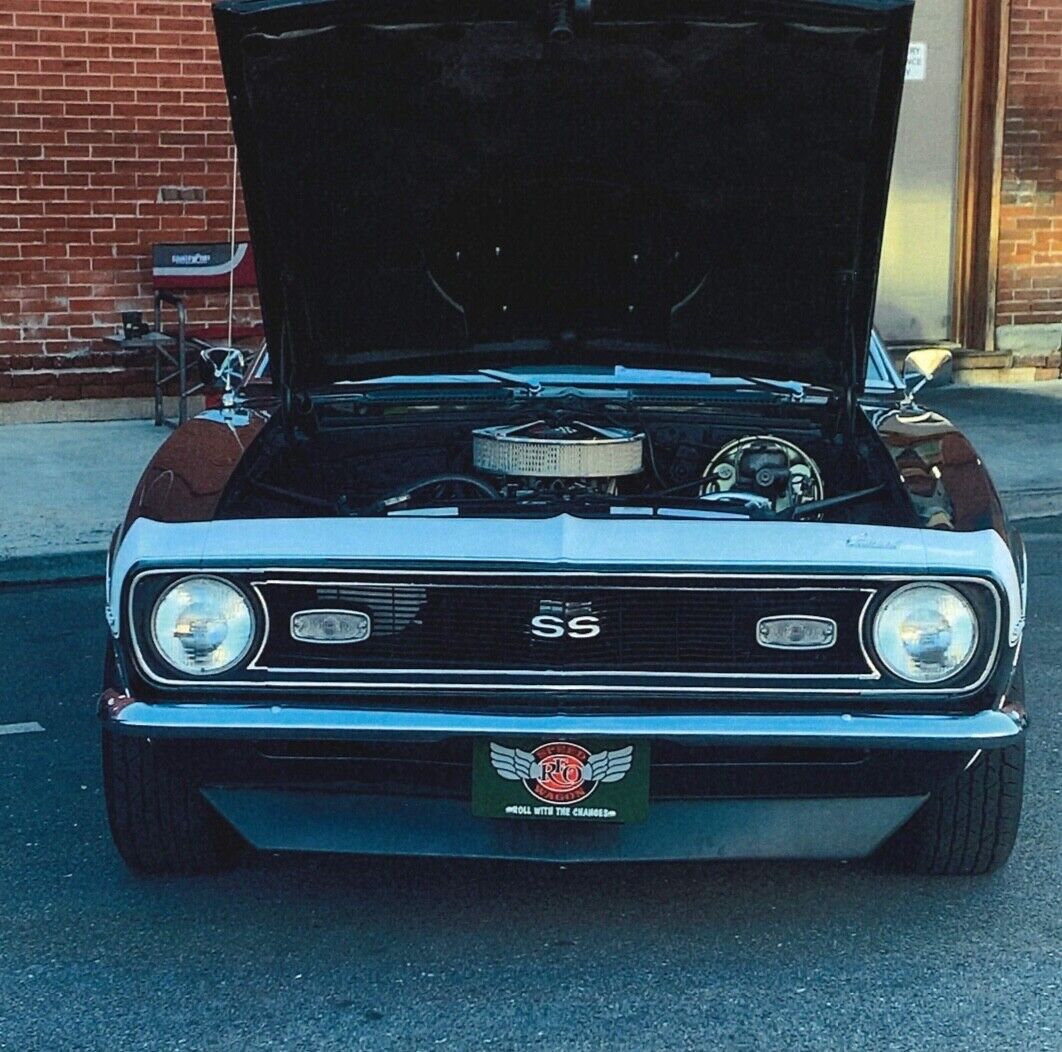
581	780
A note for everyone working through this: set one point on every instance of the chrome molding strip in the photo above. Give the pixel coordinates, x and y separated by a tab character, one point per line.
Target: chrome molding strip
564	680
564	574
872	672
983	730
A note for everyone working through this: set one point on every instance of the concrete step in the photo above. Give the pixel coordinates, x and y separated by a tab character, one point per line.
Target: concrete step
1004	367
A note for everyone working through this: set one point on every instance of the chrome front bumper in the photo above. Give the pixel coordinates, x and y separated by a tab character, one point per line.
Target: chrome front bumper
990	729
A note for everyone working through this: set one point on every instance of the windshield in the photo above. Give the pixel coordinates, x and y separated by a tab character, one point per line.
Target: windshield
880	375
581	376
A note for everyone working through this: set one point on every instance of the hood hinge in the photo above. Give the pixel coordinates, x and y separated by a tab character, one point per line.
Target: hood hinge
296	407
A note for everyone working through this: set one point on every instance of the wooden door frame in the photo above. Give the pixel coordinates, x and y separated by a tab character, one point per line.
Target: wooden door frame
984	87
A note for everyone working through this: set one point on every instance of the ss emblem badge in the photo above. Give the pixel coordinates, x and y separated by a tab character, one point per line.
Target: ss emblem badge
556	619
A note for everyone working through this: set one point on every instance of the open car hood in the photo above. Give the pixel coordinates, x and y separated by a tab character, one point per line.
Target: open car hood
443	185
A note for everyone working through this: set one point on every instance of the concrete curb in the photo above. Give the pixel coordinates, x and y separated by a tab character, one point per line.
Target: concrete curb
81	565
1032	504
1044	526
1035	516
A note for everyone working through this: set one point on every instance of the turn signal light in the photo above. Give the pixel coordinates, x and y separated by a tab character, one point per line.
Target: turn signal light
330	626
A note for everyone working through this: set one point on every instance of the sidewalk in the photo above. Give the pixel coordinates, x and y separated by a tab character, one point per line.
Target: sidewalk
64	487
1017	430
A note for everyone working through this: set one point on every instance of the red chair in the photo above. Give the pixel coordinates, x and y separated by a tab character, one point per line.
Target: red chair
176	272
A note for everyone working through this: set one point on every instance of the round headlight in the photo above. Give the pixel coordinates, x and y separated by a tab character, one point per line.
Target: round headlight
202	625
925	633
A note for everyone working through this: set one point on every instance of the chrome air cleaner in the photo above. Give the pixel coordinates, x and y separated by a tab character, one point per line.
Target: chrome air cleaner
566	451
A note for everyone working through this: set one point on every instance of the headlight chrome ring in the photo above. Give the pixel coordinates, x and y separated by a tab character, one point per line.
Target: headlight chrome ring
926	632
202	626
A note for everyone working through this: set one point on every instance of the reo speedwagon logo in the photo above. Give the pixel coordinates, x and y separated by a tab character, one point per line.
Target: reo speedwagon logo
561	772
555	620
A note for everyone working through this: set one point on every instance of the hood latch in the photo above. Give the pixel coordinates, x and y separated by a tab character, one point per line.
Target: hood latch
565	18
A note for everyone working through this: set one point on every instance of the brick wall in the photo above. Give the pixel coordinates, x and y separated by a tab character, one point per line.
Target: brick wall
103	103
1029	300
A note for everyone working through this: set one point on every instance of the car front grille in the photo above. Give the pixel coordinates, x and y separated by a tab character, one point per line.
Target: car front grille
686	625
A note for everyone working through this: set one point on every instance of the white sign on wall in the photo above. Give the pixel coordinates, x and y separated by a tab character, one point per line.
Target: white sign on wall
916	62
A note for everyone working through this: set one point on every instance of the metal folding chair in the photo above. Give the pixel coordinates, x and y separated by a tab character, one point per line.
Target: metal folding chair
180	270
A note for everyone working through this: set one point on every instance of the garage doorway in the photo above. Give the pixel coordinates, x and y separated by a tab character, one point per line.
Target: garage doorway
915	294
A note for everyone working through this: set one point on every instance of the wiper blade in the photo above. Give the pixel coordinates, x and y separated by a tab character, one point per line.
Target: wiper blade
559	506
784	387
814	507
754	507
531	386
749	505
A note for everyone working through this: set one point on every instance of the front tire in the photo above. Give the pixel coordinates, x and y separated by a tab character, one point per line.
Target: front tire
969	826
159	821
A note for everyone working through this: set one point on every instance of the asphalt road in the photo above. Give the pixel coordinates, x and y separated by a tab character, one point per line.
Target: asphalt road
323	952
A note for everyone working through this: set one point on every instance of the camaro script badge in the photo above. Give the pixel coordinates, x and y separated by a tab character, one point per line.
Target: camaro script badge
561	772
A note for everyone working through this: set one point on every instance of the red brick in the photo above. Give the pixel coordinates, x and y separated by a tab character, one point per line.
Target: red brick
1030	250
105	102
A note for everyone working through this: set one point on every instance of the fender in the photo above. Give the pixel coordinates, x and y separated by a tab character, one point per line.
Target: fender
945	478
184	480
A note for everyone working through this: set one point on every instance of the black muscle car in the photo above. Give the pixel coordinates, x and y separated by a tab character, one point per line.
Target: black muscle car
568	525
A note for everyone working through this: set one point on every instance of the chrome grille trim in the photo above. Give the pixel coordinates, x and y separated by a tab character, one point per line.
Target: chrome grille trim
563	681
872	672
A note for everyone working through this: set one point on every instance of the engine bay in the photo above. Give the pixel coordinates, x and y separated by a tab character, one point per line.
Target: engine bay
564	458
542	457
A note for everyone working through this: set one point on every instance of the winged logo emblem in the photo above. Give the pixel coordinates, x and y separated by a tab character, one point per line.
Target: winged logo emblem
561	772
514	765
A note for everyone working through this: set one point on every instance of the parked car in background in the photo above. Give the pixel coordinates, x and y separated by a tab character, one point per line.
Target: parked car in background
585	519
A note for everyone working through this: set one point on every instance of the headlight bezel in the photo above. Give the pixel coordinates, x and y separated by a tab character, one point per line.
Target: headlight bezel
981	597
151	655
